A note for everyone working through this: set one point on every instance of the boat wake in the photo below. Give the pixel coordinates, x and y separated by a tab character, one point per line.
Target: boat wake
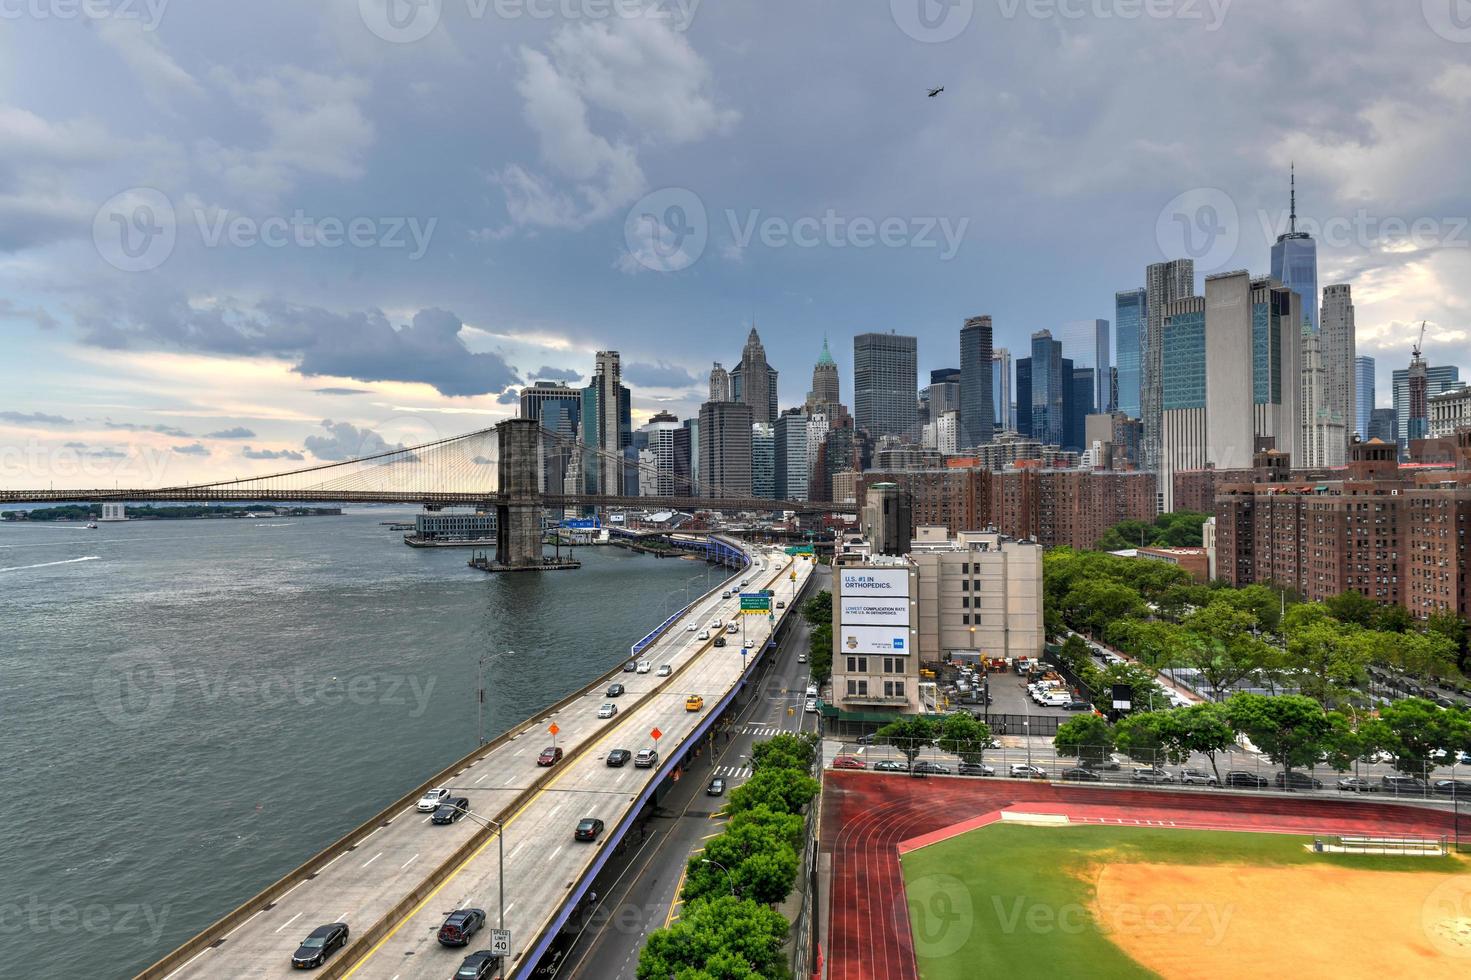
48	564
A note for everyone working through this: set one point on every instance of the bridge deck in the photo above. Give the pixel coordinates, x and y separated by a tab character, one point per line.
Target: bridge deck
542	860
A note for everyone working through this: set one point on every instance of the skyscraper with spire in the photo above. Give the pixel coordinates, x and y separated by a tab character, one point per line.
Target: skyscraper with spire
1295	261
719	384
753	381
825	386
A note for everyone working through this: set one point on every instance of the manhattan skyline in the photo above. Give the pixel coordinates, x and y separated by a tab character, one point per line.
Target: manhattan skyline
231	355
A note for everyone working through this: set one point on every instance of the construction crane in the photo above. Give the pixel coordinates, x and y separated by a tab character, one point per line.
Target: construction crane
1421	342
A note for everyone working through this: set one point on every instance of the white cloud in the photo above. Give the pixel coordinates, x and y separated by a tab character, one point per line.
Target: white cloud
143	51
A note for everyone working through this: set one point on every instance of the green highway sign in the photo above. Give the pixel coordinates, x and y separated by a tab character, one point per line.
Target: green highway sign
755	602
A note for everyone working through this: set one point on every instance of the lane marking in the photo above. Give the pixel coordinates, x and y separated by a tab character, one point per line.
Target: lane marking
289	921
409	861
372	859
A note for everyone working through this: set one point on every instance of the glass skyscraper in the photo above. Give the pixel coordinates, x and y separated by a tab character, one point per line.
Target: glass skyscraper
1363	394
1129	315
1086	343
977	408
1184	361
1049	389
1295	263
886	385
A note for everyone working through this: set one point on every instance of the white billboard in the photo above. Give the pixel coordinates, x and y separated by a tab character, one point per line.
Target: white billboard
888	582
885	612
883	640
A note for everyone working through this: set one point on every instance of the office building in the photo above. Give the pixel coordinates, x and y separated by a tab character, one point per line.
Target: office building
886	385
725	449
719	384
1049	392
980	595
977	408
876	650
940	397
1184	436
1024	397
1253	354
1129	313
1086	344
763	460
1001	390
941	376
1383	425
826	389
664	458
888	522
790	458
1340	357
753	381
1295	264
1078	406
1322	441
558	408
1164	283
606	426
1412	401
1449	411
1363	394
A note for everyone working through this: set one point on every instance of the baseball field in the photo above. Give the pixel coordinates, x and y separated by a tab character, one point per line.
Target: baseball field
1102	901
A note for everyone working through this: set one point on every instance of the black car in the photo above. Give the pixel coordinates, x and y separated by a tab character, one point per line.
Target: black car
716	787
316	947
931	768
975	769
451	809
460	925
720	641
630	667
480	965
588	828
1298	780
890	765
618	757
1244	780
1403	785
1078	706
615	690
1078	774
1453	787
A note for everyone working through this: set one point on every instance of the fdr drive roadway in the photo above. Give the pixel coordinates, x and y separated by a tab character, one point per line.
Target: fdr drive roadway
398	877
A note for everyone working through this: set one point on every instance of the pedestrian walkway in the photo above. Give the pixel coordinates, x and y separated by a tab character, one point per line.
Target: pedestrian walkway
733	772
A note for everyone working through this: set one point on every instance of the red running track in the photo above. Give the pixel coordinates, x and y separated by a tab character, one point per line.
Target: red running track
866	817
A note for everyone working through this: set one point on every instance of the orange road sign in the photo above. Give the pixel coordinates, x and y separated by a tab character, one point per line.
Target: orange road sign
657	734
553	729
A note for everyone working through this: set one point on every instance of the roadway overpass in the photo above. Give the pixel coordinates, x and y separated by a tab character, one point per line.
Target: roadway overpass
395	878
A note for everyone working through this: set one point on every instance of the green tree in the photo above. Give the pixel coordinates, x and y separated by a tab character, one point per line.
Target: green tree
1347	741
910	734
782	790
784	826
963	735
721	938
1453	628
821	652
1092	604
819	608
1326	660
1204	728
1289	728
1140	736
1087	737
1417	731
749	858
1394	619
1353	608
1221	642
1075	653
1143	692
785	751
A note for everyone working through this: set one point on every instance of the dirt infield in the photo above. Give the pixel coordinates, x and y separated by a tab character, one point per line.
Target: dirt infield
868	816
1260	918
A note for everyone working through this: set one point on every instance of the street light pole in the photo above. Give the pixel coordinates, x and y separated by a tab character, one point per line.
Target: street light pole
500	836
728	879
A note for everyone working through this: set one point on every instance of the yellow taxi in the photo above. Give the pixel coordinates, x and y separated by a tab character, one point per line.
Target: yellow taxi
694	703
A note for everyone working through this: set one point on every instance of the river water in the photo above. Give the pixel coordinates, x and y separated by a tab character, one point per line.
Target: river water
189	709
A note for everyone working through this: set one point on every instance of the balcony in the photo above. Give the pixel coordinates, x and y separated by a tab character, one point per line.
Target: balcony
872	699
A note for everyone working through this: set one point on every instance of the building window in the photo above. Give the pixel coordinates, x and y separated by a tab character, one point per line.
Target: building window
965	602
894	689
965	585
965	619
858	688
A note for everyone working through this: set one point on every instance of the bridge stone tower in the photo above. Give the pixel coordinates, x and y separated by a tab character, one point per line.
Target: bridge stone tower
518	515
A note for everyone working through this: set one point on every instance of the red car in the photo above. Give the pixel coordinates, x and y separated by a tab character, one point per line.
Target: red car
550	756
849	762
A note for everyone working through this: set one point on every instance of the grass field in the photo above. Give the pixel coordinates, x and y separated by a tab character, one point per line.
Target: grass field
1105	902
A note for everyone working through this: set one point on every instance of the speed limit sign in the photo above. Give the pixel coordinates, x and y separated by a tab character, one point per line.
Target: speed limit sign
500	942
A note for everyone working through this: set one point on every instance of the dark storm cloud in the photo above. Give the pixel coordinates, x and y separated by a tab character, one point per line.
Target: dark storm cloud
556	374
238	432
345	441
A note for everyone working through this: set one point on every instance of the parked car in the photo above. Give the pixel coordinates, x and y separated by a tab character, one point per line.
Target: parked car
694	703
849	762
1403	785
451	810
615	690
930	768
810	706
1150	774
665	670
1357	784
479	965
975	769
1023	770
618	757
1197	777
646	759
1453	787
716	787
588	828
1297	780
890	765
459	926
430	801
607	711
1244	780
1081	774
319	945
550	756
1078	706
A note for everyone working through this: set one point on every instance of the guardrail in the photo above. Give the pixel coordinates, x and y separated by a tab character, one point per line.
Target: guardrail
215	932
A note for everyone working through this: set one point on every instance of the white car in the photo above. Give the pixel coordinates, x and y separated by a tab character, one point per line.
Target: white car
718	624
607	711
801	658
732	628
665	670
691	628
431	800
810	706
704	635
644	666
812	690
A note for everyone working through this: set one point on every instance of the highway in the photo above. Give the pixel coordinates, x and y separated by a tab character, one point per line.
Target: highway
639	893
394	860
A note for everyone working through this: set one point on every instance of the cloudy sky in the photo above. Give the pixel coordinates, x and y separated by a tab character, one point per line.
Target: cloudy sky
239	235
